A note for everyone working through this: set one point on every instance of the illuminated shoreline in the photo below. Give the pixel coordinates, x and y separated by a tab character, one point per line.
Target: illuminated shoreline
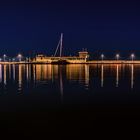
88	62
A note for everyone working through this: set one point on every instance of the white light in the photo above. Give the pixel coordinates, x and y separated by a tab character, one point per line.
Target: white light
117	56
102	56
132	56
19	56
4	56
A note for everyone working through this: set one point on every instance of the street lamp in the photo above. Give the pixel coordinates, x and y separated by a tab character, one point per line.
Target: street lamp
27	59
132	56
117	56
4	56
19	57
102	56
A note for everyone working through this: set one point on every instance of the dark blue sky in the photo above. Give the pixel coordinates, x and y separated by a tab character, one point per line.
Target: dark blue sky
28	26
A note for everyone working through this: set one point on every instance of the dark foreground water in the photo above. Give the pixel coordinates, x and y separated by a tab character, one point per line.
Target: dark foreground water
42	99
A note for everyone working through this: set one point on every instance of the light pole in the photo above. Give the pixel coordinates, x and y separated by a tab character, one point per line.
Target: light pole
117	56
19	57
102	57
4	56
26	59
132	57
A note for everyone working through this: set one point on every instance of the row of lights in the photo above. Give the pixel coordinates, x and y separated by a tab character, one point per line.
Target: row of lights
19	56
118	56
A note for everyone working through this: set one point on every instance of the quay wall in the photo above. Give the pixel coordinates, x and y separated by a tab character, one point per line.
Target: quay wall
79	62
114	62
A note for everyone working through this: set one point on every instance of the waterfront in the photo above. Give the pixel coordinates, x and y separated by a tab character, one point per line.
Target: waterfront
52	96
77	62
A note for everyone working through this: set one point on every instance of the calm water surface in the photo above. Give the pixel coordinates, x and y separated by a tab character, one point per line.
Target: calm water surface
72	83
40	95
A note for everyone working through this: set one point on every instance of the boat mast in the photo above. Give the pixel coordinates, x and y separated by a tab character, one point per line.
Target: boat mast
61	44
57	49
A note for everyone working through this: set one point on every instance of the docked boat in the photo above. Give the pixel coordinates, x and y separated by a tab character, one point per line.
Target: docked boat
57	58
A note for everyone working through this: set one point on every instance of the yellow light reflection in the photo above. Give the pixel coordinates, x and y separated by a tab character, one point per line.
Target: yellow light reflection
0	73
76	72
132	76
10	71
61	83
45	72
5	75
102	75
20	78
87	76
117	75
27	72
34	73
30	72
14	72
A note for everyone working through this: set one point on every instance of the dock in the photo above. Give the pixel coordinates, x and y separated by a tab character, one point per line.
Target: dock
113	62
87	62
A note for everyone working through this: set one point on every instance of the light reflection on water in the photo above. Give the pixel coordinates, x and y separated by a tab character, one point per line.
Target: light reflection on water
0	73
102	75
20	78
85	76
132	76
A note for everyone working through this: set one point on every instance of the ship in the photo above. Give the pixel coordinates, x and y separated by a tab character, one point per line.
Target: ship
60	59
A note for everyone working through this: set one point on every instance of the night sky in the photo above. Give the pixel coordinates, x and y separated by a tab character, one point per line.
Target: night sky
100	26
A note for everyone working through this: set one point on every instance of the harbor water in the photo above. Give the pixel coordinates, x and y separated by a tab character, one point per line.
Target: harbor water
35	96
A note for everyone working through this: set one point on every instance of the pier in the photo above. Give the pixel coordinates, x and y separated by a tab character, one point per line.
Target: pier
113	62
80	62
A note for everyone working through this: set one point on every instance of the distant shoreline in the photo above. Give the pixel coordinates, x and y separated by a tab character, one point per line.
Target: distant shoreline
88	62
